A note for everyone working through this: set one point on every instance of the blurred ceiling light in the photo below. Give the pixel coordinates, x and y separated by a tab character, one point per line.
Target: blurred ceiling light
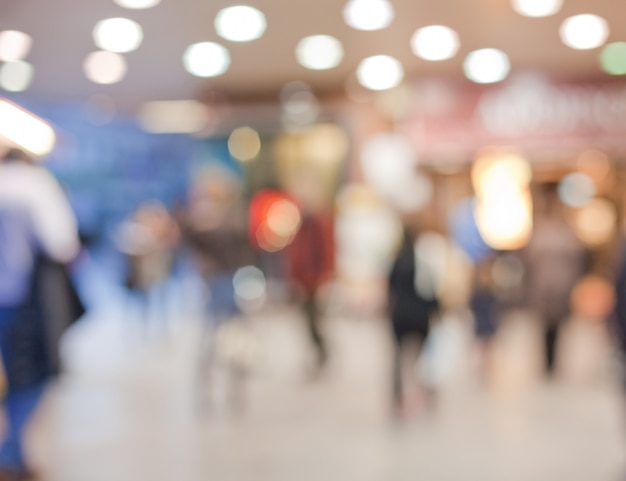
118	35
584	32
244	144
325	144
537	8
16	76
435	43
173	117
14	45
380	72
105	67
25	130
595	223
319	52
240	23
137	4
368	14
206	59
487	65
613	58
577	190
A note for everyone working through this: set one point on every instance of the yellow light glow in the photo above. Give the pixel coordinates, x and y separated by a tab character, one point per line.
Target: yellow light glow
492	168
504	209
595	223
505	221
25	130
283	218
326	144
244	144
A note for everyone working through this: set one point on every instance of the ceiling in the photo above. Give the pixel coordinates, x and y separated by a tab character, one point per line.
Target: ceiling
61	30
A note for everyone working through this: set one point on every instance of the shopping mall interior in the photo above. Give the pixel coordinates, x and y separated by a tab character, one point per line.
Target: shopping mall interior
372	240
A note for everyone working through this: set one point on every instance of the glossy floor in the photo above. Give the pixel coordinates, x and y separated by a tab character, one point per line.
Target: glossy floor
129	410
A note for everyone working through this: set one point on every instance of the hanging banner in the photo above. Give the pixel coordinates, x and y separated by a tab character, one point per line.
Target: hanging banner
539	117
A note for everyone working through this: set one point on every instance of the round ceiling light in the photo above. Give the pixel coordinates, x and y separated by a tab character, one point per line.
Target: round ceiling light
584	32
613	58
487	65
537	8
435	43
16	76
105	67
14	45
137	4
206	59
240	23
319	52
380	72
368	14
118	35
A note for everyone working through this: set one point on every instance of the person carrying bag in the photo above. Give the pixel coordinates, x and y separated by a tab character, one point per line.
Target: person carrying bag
38	240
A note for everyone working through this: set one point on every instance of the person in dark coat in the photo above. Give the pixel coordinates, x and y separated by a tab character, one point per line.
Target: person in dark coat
410	311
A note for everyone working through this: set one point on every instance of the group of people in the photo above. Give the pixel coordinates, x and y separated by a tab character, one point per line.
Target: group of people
212	238
39	241
549	268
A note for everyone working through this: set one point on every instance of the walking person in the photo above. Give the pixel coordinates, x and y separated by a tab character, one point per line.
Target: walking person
411	306
38	236
215	231
556	260
310	260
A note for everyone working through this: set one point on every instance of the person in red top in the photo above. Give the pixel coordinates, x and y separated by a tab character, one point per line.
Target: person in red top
310	264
